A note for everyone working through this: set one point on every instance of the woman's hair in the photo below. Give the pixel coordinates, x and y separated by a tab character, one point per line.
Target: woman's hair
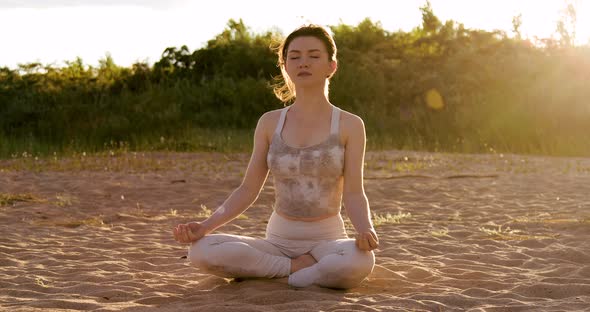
284	89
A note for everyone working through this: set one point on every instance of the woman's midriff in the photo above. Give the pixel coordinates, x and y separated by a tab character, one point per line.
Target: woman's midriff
305	219
280	229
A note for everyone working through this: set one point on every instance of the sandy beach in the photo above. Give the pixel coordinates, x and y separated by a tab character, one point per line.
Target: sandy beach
458	233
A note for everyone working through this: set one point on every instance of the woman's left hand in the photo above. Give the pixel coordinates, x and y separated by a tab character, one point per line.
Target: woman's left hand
367	240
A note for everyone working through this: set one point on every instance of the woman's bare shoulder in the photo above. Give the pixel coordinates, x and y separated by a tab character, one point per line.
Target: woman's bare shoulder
275	113
350	122
268	122
271	117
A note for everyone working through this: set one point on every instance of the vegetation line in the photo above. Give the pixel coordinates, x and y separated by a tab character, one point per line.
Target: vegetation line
440	87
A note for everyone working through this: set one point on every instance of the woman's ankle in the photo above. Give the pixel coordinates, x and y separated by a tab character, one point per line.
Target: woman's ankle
302	262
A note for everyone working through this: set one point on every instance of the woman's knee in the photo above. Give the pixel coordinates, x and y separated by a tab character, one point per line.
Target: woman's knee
353	267
345	279
357	259
366	260
360	263
215	254
199	253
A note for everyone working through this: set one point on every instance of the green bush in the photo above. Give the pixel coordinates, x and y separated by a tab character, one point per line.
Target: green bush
498	94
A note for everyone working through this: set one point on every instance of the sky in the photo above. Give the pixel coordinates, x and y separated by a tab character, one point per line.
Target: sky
54	31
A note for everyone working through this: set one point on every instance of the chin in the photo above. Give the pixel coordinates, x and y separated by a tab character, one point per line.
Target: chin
307	83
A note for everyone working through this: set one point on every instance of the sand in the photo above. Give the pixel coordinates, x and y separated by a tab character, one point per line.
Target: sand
464	233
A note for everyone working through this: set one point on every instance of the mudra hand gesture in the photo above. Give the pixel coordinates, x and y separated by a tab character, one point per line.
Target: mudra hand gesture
189	232
367	240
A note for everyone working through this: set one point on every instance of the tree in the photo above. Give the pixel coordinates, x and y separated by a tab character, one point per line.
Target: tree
566	25
516	24
430	23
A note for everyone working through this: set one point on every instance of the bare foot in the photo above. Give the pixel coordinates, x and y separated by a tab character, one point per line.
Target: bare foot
302	262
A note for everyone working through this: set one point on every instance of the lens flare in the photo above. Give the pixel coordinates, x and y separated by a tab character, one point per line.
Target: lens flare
434	100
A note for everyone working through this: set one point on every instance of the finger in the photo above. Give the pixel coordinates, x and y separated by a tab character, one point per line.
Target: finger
175	233
374	245
180	234
372	242
367	245
363	243
185	235
374	236
191	235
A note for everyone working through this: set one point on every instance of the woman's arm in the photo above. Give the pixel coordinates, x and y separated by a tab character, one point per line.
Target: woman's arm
241	198
247	193
354	198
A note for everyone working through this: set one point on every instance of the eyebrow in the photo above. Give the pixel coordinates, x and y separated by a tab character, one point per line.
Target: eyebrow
297	51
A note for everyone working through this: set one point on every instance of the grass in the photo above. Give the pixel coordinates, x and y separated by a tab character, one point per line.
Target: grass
64	200
380	219
41	282
548	219
122	160
151	155
7	199
440	233
238	140
206	213
190	140
507	233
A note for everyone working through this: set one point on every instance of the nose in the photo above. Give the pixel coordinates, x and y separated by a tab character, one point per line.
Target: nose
304	63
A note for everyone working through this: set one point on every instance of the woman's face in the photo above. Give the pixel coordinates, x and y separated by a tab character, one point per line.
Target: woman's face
307	61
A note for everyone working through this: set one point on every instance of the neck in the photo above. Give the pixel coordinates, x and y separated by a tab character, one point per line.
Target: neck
311	101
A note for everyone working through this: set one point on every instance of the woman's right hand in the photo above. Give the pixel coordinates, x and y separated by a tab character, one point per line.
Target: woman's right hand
189	232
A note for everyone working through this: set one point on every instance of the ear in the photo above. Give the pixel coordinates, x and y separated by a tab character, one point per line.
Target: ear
333	68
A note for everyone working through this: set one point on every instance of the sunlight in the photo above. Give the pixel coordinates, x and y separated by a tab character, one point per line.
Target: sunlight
131	33
434	100
539	18
128	33
583	25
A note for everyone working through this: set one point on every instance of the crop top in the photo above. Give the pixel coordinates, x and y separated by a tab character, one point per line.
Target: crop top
308	180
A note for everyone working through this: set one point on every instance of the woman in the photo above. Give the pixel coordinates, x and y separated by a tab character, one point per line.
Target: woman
315	152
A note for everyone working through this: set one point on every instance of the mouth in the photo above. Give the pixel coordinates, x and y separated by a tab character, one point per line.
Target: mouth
304	74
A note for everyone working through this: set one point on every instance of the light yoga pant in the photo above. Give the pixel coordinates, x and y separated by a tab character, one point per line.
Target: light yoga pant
340	264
